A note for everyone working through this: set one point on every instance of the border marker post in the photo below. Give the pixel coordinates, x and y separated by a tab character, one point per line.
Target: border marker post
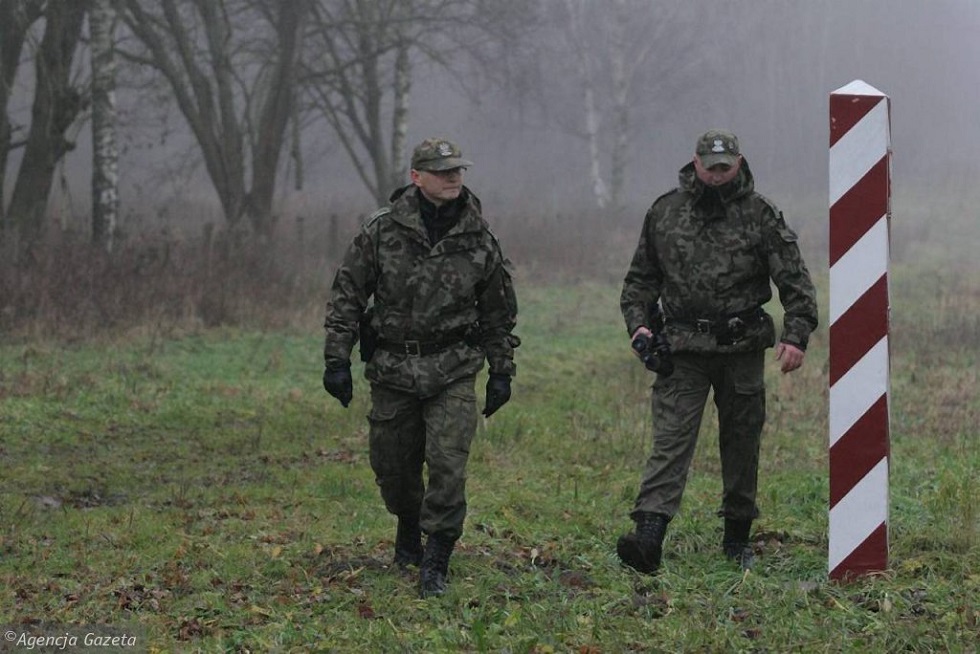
860	215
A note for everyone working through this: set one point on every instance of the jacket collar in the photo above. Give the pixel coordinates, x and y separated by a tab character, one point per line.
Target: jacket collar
405	211
741	186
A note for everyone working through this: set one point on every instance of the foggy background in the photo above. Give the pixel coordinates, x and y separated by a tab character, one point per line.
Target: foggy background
762	68
767	78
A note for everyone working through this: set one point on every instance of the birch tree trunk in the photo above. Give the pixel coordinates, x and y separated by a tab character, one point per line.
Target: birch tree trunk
105	153
595	150
399	118
625	59
618	54
577	23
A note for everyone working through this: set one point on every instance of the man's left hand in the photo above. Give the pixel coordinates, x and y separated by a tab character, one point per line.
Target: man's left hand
339	383
498	392
790	355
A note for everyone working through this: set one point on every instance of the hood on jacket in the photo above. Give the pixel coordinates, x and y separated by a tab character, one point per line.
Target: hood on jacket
742	185
465	195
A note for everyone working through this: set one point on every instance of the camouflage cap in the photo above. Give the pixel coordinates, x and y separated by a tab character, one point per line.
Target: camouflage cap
717	146
438	154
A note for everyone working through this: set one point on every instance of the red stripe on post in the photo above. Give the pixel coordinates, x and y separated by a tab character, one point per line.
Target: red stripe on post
846	111
858	451
870	556
858	329
858	210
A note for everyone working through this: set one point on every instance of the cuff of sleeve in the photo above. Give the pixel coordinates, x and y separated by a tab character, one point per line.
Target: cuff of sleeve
333	363
795	341
503	369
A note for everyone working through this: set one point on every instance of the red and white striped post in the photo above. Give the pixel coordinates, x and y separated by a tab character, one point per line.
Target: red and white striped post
860	213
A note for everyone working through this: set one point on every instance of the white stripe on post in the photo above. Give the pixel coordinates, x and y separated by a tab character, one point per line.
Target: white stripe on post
856	392
858	270
859	514
858	150
860	213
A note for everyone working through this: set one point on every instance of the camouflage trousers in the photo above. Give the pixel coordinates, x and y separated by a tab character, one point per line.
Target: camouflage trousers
409	432
678	407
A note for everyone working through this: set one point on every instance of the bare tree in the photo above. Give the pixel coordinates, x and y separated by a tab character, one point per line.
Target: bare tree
57	104
231	67
619	54
105	154
360	58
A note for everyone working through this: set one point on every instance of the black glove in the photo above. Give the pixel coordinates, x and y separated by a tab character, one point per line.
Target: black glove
338	382
498	392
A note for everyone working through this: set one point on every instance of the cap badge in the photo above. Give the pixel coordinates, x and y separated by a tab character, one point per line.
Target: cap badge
718	146
445	150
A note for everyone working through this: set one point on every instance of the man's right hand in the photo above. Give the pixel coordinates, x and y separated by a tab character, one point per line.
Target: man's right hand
640	331
790	356
339	383
498	393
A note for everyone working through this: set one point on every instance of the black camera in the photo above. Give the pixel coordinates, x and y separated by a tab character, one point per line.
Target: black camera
654	352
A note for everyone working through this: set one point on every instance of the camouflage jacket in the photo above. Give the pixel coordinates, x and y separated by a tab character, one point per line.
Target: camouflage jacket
426	292
709	260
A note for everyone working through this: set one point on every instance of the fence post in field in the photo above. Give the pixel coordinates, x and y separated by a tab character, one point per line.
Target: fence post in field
860	214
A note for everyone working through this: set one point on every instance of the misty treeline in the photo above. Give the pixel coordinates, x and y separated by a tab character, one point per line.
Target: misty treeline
252	79
247	97
249	77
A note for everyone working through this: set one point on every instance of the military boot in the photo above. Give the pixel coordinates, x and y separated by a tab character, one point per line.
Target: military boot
408	542
642	549
735	542
435	566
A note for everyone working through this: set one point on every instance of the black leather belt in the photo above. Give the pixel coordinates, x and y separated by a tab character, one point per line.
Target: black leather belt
416	348
710	325
727	329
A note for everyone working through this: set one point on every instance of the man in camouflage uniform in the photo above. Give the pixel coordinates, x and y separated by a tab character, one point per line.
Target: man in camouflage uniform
443	302
706	254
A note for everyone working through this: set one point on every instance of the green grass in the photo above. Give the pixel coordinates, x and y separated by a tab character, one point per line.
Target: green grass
204	492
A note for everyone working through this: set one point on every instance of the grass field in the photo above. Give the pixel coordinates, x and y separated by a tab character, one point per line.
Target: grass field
202	492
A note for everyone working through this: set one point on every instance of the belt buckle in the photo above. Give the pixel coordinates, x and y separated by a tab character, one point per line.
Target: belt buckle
702	326
413	348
